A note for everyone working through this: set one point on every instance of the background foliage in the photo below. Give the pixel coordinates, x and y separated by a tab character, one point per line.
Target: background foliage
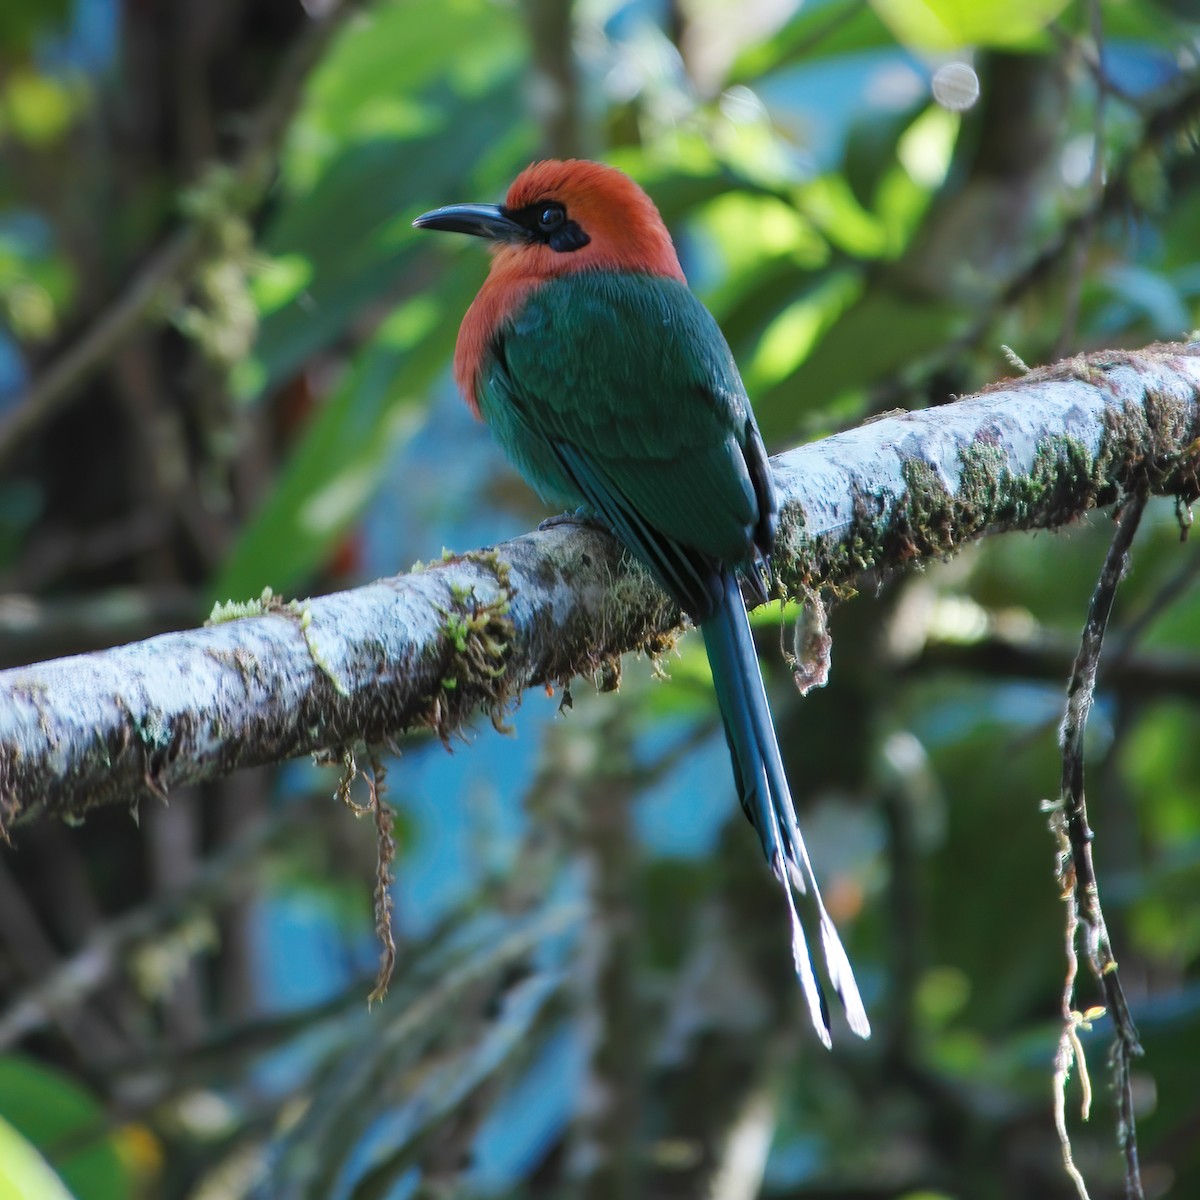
594	994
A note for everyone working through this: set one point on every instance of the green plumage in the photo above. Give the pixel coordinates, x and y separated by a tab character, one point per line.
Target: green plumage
618	392
614	389
632	372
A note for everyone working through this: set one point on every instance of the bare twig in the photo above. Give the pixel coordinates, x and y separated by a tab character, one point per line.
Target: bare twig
385	841
1077	874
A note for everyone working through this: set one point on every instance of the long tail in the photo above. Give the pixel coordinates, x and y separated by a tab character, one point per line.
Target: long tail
763	789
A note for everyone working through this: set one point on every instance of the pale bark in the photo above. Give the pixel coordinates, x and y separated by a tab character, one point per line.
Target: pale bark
429	648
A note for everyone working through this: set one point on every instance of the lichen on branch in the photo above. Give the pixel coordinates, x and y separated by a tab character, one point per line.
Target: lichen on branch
430	648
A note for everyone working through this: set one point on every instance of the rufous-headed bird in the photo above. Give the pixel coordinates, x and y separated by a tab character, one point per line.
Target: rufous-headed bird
610	387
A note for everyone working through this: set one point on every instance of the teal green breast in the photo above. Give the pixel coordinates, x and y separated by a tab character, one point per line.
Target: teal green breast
634	372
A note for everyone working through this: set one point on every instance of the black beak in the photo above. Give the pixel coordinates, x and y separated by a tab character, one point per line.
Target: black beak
480	220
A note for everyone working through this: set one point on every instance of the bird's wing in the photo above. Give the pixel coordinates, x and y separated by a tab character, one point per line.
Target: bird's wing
629	382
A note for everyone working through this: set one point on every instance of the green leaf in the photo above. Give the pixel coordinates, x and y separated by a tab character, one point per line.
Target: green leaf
337	465
459	48
871	151
22	22
374	146
817	32
940	25
874	339
24	1173
51	1110
352	235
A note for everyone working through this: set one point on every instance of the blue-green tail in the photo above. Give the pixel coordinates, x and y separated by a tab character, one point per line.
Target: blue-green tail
763	789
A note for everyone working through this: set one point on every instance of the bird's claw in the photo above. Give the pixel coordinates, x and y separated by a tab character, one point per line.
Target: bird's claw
581	516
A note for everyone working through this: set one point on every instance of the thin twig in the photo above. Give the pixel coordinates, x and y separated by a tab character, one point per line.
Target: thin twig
385	840
1076	870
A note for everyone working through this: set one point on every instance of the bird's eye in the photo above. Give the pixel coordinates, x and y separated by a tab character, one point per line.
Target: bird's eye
551	217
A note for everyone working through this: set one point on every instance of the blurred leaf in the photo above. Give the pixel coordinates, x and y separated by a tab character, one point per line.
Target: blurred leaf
280	281
872	341
993	746
1151	21
36	283
817	31
789	339
459	49
21	21
37	108
1142	296
955	24
51	1110
24	1174
336	467
1160	760
372	148
746	229
871	152
832	207
354	229
681	189
748	305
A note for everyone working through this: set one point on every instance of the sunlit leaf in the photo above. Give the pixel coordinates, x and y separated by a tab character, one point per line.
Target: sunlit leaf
37	108
24	1173
354	230
874	340
64	1121
816	31
952	24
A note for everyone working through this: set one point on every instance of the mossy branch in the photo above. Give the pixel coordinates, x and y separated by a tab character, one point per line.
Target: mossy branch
430	648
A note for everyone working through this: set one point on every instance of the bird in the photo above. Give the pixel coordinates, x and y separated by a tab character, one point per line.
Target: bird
612	390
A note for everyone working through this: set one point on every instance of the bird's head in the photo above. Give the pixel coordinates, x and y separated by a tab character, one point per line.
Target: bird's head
565	216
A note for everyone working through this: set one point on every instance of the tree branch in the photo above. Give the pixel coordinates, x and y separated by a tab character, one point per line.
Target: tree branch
428	648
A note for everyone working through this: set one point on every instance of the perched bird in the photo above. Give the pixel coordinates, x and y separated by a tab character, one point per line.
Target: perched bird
611	387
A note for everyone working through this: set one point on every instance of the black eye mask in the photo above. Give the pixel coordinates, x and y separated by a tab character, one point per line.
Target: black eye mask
547	222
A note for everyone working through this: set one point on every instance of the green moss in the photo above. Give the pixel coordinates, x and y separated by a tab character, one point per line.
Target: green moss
236	610
270	604
476	638
928	520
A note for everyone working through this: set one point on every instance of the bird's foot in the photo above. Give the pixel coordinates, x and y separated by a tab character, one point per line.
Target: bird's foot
581	516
